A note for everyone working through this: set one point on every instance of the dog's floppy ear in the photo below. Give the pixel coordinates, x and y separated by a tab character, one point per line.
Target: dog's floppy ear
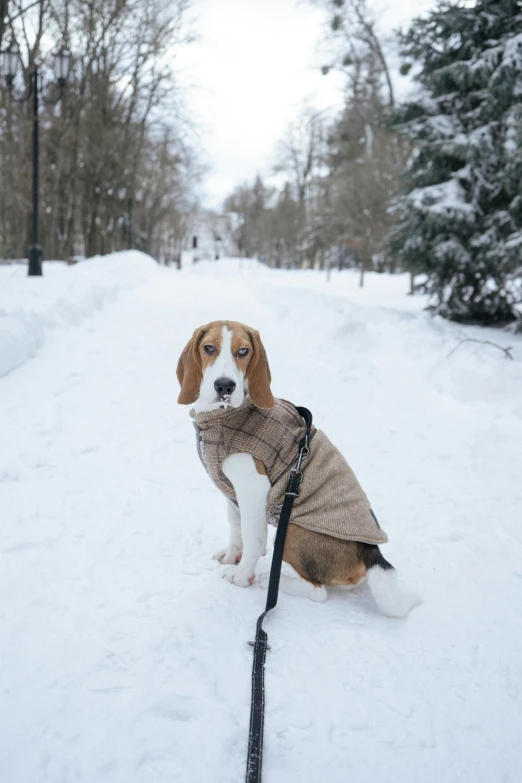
189	369
258	374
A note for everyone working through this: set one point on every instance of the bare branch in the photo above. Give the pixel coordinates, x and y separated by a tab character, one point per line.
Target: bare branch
465	339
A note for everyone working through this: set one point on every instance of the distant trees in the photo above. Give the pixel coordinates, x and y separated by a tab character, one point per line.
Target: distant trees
432	185
365	161
286	225
115	170
332	207
250	205
338	175
461	218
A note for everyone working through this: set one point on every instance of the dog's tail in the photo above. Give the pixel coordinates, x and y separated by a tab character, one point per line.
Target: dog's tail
392	597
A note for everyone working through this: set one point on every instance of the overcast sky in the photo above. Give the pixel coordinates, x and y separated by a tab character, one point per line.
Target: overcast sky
254	65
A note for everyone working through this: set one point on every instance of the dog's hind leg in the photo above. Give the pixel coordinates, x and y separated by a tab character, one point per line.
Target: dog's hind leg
292	583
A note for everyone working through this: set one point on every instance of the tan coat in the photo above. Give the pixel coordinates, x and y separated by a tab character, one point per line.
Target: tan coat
330	498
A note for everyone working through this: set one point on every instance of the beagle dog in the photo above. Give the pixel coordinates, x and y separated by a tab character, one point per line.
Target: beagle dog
223	366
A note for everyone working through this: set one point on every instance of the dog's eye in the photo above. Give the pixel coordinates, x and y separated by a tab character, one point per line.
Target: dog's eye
209	349
242	352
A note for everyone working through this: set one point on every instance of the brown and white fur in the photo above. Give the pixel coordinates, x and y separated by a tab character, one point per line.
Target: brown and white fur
221	363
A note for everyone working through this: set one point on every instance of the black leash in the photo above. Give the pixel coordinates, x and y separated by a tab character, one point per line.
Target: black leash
260	645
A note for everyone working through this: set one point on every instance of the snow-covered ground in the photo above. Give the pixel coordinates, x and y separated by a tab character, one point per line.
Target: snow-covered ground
123	655
29	310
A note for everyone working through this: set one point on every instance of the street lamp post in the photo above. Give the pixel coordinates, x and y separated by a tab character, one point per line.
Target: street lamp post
11	62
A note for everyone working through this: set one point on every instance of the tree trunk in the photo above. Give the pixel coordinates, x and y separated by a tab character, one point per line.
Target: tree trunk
365	257
363	269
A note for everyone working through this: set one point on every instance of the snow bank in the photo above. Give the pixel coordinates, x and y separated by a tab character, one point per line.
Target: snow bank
30	307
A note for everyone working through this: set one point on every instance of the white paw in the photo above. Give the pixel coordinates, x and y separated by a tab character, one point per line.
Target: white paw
236	575
228	556
264	578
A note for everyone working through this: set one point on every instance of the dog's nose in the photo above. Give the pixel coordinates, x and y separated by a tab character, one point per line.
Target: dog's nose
224	386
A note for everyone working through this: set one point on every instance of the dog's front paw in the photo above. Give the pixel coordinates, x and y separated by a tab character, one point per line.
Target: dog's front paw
264	578
236	575
228	556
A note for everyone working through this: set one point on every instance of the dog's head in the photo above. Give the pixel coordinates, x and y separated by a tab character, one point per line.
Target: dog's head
221	363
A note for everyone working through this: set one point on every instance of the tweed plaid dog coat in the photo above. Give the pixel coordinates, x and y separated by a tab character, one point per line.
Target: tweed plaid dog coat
330	500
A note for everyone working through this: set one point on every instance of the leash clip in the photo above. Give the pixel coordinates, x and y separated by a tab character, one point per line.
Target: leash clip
296	474
304	451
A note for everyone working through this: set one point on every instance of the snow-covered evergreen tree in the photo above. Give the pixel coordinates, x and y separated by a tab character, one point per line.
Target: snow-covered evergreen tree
461	220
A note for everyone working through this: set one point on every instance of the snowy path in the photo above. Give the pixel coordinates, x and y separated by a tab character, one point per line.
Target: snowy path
123	655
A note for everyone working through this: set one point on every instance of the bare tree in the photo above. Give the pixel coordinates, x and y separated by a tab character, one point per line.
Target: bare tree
356	46
119	119
365	162
340	175
251	206
301	151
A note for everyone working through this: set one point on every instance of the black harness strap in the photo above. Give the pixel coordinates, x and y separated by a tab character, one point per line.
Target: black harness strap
260	645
